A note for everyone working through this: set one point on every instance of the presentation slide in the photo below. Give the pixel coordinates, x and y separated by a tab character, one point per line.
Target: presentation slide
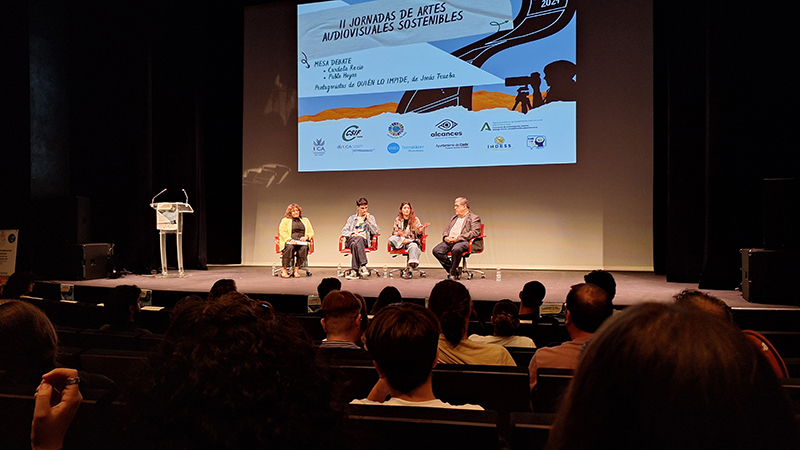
406	84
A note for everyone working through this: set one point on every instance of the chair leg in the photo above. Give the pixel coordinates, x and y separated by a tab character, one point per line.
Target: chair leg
469	272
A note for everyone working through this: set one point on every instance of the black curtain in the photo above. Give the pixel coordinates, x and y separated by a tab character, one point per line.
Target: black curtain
126	99
724	96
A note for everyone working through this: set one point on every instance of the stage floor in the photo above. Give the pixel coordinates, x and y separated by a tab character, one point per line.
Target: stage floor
632	287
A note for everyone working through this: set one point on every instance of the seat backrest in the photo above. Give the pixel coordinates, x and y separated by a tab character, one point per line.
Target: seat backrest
769	352
551	384
499	388
405	427
476	243
120	340
530	430
122	366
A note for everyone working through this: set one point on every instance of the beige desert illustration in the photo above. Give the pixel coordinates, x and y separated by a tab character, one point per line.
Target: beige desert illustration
481	100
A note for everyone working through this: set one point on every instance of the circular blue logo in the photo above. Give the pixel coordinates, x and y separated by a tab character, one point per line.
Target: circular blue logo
393	148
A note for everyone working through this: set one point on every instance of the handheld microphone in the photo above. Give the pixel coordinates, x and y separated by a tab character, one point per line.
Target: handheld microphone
154	198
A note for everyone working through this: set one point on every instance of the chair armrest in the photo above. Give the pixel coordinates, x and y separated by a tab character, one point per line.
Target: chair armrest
342	240
375	242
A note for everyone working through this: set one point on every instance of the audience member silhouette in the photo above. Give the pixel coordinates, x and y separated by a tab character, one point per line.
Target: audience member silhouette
220	288
451	302
17	285
28	349
327	285
603	279
403	340
531	298
386	297
505	320
231	375
122	307
659	376
587	308
703	301
341	320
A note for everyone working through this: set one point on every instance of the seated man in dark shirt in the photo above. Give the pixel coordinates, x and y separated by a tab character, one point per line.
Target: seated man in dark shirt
531	297
341	320
122	308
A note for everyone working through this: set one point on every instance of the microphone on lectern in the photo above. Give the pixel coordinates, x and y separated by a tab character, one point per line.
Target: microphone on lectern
154	198
185	195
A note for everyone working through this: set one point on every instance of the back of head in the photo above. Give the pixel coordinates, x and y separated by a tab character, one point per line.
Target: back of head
17	285
221	287
403	340
327	285
28	341
532	294
119	302
505	317
230	375
659	376
339	308
692	298
603	279
451	303
387	296
588	306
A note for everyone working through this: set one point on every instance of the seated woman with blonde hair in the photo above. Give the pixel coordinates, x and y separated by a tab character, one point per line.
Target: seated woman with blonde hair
294	235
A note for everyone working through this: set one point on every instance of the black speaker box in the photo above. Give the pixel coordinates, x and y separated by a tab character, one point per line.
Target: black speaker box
767	275
91	261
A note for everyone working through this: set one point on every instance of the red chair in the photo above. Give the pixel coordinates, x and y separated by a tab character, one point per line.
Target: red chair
346	250
276	270
394	252
471	250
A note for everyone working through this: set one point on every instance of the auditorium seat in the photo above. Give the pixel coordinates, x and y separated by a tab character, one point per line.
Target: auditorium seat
122	366
311	324
529	431
69	356
791	386
69	336
550	387
522	355
545	332
405	428
119	340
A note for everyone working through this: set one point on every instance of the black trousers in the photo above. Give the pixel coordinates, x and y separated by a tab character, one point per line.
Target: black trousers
456	250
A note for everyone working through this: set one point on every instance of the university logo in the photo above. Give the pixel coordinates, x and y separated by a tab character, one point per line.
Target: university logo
319	147
351	133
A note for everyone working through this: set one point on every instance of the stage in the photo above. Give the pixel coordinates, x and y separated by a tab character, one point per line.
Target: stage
632	287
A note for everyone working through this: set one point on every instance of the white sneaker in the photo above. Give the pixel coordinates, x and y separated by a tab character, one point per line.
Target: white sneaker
351	275
364	271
